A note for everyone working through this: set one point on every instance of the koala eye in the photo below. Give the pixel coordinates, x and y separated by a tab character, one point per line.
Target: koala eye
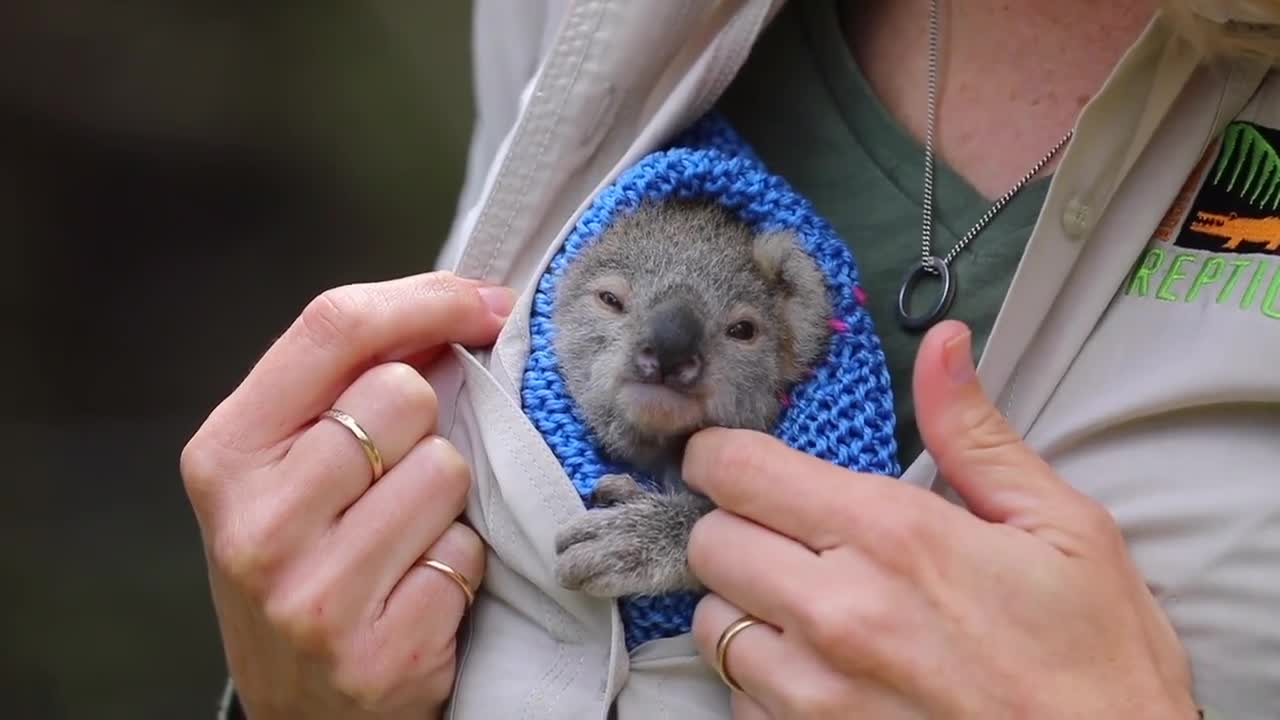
742	330
610	300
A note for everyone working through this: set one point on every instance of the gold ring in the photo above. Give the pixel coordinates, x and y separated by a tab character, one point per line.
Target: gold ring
455	575
370	450
722	649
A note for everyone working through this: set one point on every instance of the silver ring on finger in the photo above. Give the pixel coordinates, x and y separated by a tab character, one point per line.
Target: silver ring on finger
454	575
366	443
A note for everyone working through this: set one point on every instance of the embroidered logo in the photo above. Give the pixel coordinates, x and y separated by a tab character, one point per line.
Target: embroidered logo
1219	242
1238	209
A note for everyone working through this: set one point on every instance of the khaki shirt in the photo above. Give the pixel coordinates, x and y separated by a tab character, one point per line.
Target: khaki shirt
1138	349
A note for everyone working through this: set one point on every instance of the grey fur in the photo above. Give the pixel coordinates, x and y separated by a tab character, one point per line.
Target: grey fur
677	267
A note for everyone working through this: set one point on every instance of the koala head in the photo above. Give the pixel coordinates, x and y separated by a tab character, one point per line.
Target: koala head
680	317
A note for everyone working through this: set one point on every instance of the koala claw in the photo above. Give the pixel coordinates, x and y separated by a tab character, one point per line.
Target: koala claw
616	489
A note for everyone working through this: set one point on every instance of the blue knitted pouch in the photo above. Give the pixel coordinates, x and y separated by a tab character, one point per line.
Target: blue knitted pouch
843	413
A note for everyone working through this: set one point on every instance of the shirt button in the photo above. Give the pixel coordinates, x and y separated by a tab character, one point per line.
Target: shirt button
1077	218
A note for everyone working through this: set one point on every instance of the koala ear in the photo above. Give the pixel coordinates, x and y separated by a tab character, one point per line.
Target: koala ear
806	310
770	253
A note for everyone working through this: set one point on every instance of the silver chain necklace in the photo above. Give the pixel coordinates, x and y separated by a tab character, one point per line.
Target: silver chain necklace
931	264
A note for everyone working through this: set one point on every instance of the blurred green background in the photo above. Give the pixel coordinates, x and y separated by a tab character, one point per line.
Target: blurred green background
176	181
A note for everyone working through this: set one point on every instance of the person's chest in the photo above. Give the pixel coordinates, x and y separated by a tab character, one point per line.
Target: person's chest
1169	411
1137	349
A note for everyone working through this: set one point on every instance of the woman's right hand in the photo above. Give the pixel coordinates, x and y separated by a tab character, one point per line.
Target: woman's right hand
324	608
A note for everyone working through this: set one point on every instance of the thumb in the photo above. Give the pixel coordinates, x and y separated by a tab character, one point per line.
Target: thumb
976	450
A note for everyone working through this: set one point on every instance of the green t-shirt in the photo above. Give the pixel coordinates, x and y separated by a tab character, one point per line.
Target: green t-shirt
802	103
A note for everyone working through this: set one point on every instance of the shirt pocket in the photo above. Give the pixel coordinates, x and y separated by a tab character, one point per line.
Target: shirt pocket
528	648
668	680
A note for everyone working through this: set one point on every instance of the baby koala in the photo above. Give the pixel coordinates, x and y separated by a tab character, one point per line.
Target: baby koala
679	317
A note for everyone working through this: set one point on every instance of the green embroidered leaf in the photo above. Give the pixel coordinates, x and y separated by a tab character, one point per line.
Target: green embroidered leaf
1246	143
1262	182
1229	138
1243	143
1271	188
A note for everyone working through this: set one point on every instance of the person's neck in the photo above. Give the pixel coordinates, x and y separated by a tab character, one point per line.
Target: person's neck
1012	75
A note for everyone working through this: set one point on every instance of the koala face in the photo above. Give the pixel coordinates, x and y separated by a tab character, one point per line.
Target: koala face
679	317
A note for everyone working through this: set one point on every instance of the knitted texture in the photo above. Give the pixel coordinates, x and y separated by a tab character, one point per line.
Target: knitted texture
842	413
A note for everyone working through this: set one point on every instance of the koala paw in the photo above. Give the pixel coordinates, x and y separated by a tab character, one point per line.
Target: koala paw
593	558
636	546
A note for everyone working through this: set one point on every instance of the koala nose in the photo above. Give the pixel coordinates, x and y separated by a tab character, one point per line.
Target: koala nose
672	354
678	371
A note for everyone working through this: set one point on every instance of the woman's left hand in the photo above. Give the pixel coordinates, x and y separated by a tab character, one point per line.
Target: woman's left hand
880	599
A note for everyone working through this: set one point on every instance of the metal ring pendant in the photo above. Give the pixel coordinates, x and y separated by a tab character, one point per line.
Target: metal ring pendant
918	323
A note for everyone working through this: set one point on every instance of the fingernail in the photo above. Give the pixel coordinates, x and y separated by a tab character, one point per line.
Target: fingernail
957	357
499	299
